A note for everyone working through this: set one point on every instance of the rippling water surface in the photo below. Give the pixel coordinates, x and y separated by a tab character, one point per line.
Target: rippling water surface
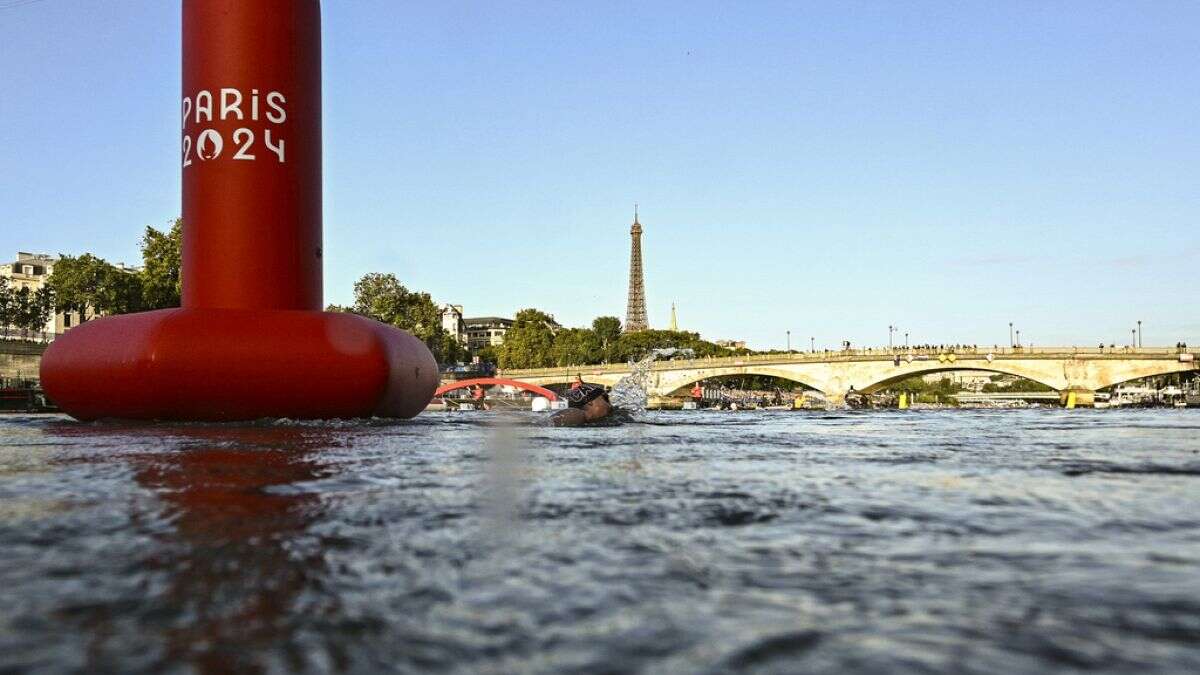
956	541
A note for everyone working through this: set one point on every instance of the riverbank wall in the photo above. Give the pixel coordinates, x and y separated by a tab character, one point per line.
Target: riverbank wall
20	360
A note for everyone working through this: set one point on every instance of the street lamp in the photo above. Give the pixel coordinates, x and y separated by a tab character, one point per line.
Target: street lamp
891	329
1132	337
906	339
1011	342
1018	342
789	341
812	344
1139	333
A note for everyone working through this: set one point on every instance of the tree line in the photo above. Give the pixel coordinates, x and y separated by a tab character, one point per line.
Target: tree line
534	341
382	297
25	309
91	286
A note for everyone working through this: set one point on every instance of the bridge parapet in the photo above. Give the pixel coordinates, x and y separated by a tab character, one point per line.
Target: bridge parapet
835	373
882	354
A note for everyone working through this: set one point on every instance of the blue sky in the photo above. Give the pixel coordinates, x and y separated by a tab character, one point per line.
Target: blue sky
827	169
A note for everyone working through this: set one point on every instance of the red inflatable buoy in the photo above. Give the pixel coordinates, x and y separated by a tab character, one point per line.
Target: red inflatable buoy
250	340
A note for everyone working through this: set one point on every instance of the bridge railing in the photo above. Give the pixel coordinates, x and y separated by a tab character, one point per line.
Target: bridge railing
868	354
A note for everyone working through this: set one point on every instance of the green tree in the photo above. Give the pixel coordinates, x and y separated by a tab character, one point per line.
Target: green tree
41	308
576	346
1022	385
22	310
8	308
635	345
608	331
89	284
487	354
529	342
942	390
382	297
452	351
162	260
76	282
28	310
120	292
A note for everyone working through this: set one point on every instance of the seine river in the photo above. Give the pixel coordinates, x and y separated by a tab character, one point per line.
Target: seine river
1010	541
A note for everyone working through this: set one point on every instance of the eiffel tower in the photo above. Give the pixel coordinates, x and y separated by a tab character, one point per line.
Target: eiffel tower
635	311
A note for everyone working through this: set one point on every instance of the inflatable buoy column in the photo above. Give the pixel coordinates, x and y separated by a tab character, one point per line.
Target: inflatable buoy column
250	340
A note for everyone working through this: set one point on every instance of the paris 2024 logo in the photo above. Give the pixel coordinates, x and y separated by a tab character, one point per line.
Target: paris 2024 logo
245	143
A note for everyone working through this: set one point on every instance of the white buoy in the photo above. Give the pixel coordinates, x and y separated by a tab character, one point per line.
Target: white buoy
540	404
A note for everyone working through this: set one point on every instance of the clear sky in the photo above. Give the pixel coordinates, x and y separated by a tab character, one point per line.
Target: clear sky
824	168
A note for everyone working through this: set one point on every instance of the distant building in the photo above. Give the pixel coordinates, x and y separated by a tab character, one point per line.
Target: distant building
967	380
32	271
452	322
489	331
485	331
732	344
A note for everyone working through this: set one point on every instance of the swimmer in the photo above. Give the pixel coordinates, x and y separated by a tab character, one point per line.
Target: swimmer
588	403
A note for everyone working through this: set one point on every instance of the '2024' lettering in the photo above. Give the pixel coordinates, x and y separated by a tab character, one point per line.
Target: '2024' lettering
230	104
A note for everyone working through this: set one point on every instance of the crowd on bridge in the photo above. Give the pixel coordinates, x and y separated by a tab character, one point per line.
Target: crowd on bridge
925	347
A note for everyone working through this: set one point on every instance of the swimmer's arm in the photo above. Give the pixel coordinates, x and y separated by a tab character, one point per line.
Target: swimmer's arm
571	417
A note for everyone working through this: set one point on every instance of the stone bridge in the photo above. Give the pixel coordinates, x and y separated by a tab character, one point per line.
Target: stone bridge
1065	369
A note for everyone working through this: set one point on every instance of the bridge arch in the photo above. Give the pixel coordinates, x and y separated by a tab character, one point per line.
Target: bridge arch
1000	368
1149	369
670	385
490	381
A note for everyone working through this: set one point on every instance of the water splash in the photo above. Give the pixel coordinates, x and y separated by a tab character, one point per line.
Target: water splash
629	393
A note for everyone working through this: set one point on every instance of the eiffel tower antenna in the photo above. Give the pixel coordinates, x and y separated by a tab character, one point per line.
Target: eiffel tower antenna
635	311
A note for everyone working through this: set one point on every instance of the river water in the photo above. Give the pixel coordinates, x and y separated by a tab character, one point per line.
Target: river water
1009	541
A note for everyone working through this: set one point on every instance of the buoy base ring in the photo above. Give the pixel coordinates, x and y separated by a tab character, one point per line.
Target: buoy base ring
234	364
